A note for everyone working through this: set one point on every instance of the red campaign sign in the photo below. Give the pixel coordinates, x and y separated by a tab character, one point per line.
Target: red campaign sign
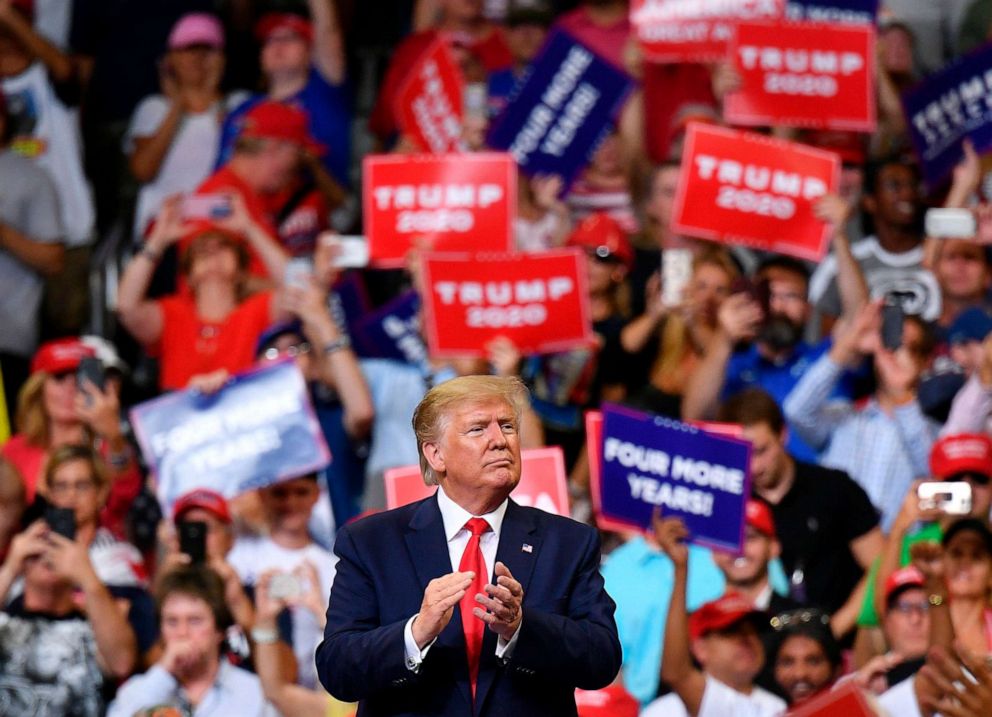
804	75
538	301
428	104
846	699
543	483
594	452
743	188
455	202
694	30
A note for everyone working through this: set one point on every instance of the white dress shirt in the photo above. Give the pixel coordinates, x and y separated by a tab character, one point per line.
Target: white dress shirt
454	518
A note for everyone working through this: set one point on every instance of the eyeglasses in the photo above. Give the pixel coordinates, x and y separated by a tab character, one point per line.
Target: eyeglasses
802	616
909	607
59	488
272	353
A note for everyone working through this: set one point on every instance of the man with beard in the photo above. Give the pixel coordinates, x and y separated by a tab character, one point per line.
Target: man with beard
883	444
807	658
758	341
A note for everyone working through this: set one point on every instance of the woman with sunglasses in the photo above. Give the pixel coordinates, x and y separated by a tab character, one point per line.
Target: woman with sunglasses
58	406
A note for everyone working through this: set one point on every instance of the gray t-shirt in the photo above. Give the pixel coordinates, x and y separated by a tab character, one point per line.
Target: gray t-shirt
886	273
28	203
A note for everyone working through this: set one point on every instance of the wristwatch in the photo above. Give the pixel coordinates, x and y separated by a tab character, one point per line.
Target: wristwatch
264	635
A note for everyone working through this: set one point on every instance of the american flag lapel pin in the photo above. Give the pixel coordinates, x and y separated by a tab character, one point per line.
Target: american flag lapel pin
527	548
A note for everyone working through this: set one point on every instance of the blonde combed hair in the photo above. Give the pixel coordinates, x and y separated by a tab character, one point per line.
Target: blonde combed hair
433	411
31	419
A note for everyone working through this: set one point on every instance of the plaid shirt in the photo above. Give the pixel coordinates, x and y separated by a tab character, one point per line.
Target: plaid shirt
883	452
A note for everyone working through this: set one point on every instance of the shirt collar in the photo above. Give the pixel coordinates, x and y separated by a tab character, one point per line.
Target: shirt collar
455	517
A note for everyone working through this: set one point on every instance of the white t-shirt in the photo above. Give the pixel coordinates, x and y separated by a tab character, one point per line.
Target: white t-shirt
190	158
252	556
719	700
900	700
48	132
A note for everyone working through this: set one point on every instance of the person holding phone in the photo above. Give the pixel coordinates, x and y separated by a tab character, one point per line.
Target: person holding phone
173	138
216	324
885	444
57	407
64	636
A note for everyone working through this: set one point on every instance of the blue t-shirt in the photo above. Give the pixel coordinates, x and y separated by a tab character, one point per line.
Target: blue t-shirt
329	109
748	368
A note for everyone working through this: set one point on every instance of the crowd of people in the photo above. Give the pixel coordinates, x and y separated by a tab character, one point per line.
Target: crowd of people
172	175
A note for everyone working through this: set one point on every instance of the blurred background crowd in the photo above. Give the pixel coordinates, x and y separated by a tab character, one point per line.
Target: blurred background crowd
162	163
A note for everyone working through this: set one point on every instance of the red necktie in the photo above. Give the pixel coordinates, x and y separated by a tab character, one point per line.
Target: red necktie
474	627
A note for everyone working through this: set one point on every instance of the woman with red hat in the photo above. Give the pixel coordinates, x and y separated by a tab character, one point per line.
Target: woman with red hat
55	408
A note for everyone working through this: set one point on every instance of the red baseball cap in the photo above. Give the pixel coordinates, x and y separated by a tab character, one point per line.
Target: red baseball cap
758	515
275	120
60	356
721	614
903	579
961	453
202	498
604	235
272	21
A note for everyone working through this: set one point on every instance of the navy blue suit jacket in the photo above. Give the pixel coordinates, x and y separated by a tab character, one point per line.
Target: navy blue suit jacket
568	637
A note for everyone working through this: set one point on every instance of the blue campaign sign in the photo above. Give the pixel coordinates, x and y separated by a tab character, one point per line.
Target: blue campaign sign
948	106
851	12
392	331
257	430
561	111
647	461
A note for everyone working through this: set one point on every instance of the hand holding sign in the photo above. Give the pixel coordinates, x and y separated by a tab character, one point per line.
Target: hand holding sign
670	534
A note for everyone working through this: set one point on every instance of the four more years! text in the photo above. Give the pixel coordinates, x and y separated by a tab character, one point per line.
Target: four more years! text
701	474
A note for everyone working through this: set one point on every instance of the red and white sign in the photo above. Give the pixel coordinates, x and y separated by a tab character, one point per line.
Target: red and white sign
543	483
594	452
429	102
804	75
694	30
538	301
454	202
846	699
743	188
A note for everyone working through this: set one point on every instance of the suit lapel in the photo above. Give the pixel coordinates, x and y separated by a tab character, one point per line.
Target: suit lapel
519	545
428	547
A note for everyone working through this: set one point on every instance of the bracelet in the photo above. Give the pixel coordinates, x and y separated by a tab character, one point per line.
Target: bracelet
150	254
339	344
264	635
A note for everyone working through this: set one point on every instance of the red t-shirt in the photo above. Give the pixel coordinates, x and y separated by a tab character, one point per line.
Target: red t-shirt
491	51
190	346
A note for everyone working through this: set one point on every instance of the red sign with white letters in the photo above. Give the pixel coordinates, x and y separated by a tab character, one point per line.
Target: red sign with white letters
428	105
538	301
454	202
694	30
743	188
804	75
543	483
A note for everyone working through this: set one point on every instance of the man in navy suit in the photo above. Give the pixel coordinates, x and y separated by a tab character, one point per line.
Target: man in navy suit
417	587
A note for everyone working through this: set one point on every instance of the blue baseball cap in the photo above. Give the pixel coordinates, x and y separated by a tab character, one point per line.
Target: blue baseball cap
972	324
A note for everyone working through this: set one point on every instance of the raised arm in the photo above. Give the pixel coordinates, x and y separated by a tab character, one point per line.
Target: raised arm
328	45
851	284
58	65
677	669
737	320
141	316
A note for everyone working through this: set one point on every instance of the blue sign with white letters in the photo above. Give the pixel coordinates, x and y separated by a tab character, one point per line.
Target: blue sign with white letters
650	462
849	12
257	430
561	111
948	106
